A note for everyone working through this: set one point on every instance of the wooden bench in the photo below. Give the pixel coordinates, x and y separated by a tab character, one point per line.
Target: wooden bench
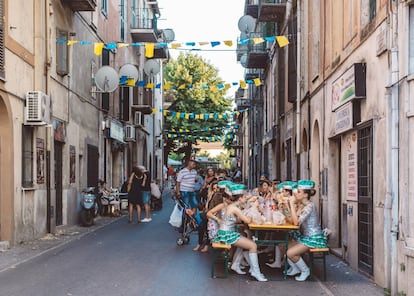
320	254
220	251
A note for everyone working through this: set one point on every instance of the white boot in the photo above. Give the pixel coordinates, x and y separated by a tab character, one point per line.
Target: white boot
293	270
254	264
278	257
245	260
305	272
235	265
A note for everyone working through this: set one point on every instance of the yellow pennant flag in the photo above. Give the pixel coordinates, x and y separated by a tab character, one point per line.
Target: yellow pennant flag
154	110
98	47
167	86
182	86
187	116
220	116
211	115
197	116
165	112
131	82
203	43
71	42
243	84
257	81
175	45
227	86
282	41
149	50
178	115
258	40
120	45
150	85
228	42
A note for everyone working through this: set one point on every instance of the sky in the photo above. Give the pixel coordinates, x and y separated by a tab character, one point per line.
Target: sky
207	21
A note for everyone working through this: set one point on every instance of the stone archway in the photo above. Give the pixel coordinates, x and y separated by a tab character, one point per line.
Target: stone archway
6	173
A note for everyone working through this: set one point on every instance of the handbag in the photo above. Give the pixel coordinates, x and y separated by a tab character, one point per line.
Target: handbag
212	228
175	217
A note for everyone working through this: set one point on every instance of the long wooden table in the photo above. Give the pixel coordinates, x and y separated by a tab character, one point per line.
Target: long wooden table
285	228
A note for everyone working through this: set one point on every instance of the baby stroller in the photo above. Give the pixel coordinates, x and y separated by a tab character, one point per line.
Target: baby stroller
188	225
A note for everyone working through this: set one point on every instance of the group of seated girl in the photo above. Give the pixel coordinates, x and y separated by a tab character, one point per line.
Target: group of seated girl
289	202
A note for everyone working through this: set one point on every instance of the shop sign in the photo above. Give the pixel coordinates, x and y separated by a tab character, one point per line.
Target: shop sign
351	167
350	85
59	130
116	131
343	118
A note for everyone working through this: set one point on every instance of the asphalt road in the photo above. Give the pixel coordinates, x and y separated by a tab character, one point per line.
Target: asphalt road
143	259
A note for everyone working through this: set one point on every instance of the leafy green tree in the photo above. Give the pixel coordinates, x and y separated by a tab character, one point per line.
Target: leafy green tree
195	89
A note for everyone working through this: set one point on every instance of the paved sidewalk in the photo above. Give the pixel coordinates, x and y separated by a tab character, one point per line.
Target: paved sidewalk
21	253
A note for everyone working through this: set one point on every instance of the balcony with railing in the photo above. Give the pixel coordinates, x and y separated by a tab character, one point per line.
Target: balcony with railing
258	54
81	5
144	25
142	100
271	10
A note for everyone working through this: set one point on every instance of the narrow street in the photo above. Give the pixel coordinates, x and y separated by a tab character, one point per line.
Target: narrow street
143	259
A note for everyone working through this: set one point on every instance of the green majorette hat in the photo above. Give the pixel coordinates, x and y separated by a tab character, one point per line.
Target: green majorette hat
306	184
280	186
290	185
224	184
237	189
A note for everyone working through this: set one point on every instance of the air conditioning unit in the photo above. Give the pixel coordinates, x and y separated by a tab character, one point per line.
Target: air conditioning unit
130	133
138	118
37	109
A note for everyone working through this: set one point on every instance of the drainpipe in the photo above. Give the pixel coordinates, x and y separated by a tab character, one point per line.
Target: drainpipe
298	81
392	197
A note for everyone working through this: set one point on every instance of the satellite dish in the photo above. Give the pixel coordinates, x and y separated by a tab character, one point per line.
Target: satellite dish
243	60
169	35
106	79
246	24
151	67
130	71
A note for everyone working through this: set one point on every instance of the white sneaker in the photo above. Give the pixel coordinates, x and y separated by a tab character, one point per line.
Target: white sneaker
146	220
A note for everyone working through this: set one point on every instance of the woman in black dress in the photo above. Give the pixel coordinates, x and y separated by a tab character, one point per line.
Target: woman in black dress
134	194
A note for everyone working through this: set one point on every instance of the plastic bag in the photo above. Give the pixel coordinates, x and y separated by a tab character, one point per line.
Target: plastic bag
278	218
155	190
254	213
175	217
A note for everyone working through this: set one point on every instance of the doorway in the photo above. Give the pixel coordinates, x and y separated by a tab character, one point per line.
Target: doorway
58	182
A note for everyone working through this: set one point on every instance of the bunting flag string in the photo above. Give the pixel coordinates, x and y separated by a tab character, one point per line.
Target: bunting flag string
203	138
199	116
207	129
126	81
150	47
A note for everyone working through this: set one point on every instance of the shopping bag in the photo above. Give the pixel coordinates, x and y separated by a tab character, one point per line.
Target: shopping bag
175	217
155	190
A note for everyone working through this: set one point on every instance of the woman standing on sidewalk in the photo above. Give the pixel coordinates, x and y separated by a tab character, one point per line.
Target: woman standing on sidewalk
134	194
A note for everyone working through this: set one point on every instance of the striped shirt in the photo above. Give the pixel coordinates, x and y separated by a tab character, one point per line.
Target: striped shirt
186	178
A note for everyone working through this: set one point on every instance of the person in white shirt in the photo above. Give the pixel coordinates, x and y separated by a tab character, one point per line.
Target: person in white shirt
185	186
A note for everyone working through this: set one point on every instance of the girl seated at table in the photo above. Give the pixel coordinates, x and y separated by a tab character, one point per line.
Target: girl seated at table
310	235
227	233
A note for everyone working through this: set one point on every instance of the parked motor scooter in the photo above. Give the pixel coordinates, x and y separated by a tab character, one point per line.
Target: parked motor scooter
89	206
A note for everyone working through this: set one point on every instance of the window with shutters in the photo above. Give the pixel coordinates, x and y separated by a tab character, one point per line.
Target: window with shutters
2	72
62	54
